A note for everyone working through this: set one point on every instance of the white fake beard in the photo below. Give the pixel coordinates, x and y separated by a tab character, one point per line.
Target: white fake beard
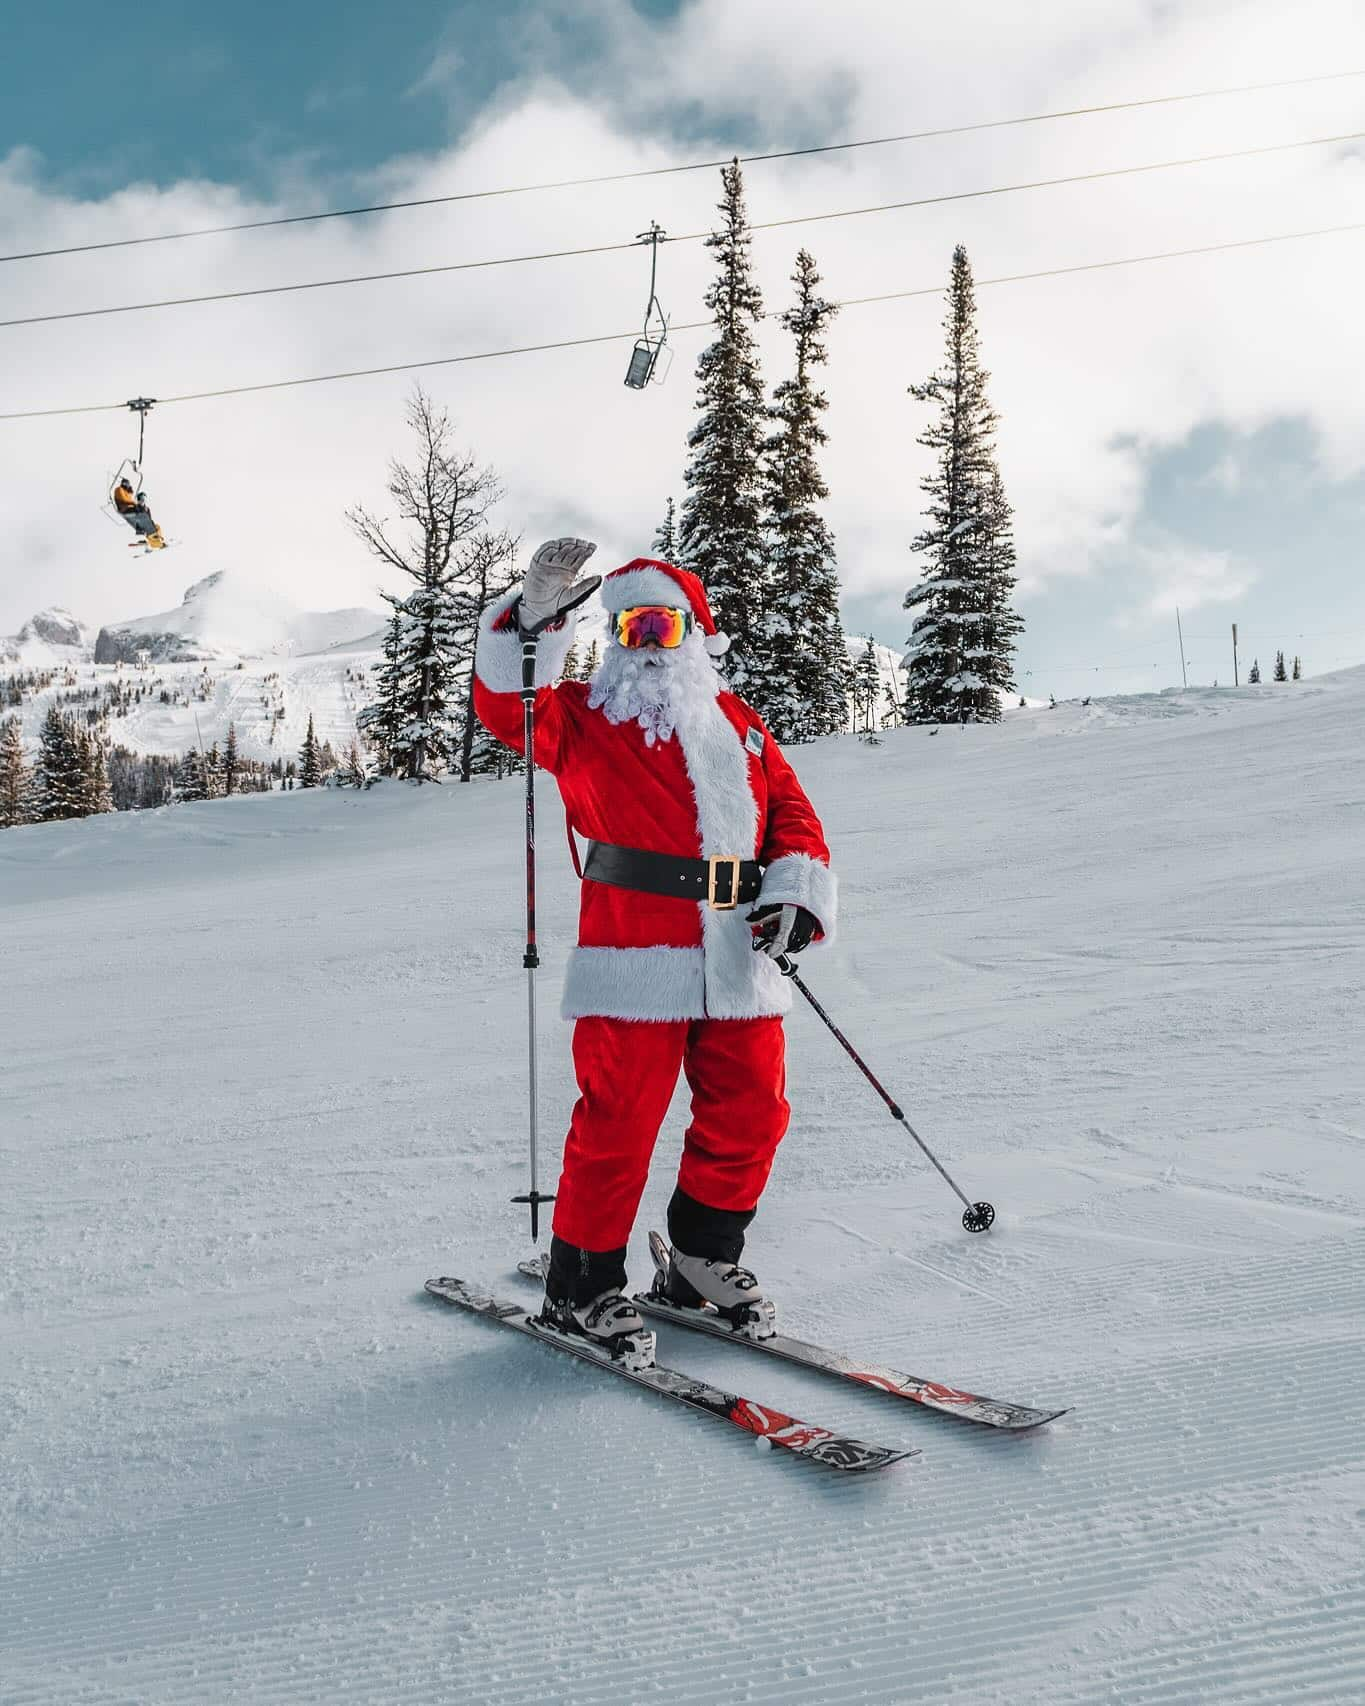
655	688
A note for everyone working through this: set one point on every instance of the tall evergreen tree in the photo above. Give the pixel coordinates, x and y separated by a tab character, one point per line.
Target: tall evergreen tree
191	780
720	530
381	721
1298	668
16	781
98	795
962	643
310	759
231	762
805	684
1254	679
443	498
665	544
61	784
594	658
572	666
866	680
1281	673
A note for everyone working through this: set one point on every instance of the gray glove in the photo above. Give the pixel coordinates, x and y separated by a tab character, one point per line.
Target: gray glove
783	929
549	580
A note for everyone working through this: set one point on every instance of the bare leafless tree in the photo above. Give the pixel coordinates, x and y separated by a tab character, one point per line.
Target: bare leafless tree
440	537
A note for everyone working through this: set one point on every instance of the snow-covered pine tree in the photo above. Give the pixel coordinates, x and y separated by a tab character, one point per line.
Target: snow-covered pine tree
962	642
231	762
61	780
720	529
191	782
866	680
487	570
310	759
666	539
382	719
16	780
443	499
571	665
594	658
1298	668
98	795
805	683
1254	679
1281	673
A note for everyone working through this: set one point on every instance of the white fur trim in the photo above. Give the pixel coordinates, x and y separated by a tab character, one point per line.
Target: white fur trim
740	984
635	983
658	984
497	656
642	586
717	644
808	882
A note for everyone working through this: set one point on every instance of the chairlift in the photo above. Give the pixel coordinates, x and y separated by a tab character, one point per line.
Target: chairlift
652	342
149	536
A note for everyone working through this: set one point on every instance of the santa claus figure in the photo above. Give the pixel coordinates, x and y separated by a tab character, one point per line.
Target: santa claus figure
701	847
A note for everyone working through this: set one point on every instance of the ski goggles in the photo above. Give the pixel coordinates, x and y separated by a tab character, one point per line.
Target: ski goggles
659	624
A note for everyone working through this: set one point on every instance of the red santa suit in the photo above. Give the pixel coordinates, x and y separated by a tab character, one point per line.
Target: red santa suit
660	983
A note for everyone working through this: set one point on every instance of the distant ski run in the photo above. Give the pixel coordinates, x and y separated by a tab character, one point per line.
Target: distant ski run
802	1439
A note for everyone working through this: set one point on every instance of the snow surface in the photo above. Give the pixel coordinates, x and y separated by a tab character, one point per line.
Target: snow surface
263	1075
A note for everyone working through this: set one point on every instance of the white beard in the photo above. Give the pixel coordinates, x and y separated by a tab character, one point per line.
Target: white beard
659	690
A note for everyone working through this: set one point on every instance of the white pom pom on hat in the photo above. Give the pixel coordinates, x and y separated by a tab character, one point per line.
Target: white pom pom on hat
649	580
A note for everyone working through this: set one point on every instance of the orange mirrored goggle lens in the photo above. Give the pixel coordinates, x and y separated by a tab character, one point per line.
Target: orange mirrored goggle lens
659	624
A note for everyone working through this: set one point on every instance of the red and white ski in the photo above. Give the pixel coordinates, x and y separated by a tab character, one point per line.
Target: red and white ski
948	1400
820	1445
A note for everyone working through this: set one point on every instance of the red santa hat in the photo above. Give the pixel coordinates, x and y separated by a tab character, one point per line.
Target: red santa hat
649	580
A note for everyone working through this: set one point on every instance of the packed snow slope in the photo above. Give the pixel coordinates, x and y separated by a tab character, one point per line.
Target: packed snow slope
264	1074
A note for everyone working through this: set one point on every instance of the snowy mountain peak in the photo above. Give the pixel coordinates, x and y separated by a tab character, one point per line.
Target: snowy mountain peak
228	616
52	635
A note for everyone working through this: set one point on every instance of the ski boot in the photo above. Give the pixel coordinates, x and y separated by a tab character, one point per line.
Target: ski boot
583	1302
610	1323
721	1288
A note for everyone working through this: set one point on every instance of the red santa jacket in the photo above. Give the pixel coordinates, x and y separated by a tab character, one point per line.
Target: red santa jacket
723	787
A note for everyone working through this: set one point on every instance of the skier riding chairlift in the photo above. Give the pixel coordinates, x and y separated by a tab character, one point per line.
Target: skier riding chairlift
131	507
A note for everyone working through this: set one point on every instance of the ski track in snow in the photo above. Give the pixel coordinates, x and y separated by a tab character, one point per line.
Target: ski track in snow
263	1074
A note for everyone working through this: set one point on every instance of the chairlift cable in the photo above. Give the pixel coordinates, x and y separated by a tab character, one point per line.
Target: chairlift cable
691	325
688	166
685	237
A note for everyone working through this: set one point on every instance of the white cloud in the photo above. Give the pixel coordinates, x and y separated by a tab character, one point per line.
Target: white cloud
1091	373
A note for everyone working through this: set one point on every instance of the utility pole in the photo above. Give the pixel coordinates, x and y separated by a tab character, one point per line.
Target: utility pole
1184	676
1236	678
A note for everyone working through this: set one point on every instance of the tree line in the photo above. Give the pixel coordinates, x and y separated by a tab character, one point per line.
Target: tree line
751	526
78	772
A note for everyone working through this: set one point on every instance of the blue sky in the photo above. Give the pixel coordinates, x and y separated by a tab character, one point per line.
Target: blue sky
1190	434
238	92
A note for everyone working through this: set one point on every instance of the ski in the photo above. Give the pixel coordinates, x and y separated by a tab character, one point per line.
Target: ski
835	1451
947	1400
930	1394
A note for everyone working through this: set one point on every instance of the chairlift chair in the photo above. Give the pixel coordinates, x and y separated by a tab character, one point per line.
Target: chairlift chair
650	345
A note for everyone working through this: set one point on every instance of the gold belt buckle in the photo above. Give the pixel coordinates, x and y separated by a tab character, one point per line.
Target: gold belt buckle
711	901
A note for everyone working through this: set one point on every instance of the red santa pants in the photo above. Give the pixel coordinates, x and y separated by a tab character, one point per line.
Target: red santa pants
627	1070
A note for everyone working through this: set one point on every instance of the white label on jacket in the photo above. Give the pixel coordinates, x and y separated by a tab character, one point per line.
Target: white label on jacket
753	740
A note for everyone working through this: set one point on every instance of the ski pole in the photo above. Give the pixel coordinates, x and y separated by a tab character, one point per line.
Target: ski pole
530	643
977	1216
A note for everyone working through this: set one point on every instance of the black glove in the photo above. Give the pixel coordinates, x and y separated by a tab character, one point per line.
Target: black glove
783	928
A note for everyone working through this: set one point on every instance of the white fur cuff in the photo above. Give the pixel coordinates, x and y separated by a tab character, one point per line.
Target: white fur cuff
799	879
497	655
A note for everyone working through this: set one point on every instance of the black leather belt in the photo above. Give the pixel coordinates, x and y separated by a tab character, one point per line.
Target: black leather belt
721	881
